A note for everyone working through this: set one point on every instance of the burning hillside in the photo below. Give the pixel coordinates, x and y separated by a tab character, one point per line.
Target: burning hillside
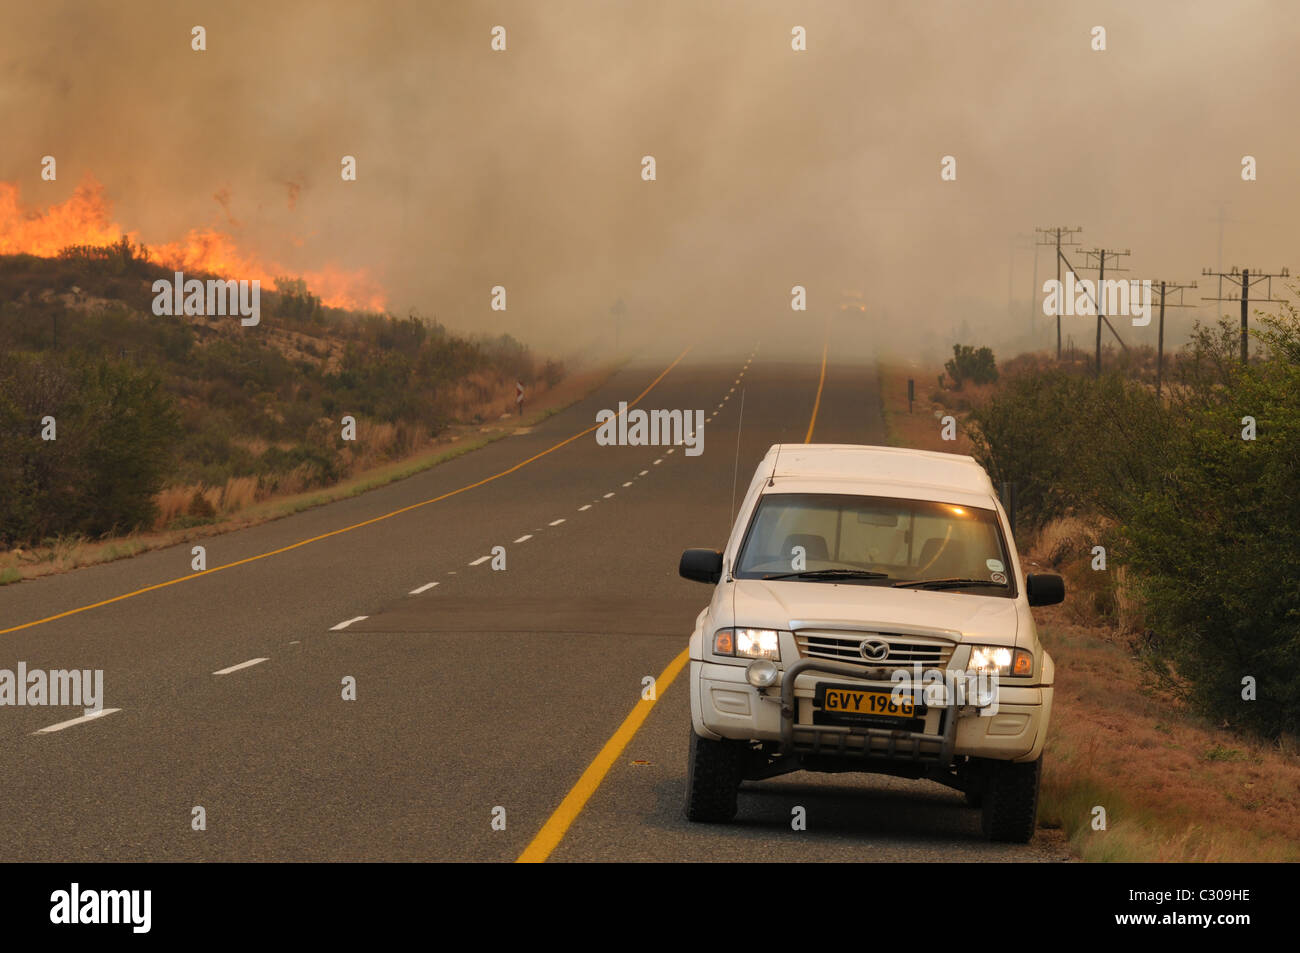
85	218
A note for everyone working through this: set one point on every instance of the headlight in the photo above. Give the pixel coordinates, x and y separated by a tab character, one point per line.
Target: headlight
761	673
1004	661
748	643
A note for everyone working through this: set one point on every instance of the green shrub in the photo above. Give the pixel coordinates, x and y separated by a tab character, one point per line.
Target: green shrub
969	364
115	429
1205	519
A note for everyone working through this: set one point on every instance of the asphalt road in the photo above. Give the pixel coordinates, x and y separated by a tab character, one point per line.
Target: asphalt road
494	689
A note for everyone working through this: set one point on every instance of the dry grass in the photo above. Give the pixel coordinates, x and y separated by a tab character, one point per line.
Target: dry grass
921	428
1064	540
380	443
484	395
1174	788
172	503
238	493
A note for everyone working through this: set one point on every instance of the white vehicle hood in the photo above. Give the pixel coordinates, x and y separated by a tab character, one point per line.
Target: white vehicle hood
780	604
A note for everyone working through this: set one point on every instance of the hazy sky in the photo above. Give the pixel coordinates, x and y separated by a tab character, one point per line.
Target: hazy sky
775	167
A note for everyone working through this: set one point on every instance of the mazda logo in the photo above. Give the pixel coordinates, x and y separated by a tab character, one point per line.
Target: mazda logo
873	650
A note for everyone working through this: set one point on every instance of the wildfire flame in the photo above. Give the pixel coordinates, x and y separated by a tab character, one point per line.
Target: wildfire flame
85	219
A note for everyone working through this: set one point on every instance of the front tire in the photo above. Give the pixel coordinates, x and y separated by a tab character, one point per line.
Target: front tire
1010	808
713	774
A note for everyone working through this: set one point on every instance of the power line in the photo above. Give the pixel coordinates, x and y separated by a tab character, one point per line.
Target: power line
1057	232
1166	288
1101	254
1243	279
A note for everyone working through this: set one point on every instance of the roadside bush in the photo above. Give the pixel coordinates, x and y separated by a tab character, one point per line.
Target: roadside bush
969	364
1214	543
1021	435
114	430
1203	520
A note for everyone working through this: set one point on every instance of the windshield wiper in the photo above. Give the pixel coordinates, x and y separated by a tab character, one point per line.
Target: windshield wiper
830	574
948	584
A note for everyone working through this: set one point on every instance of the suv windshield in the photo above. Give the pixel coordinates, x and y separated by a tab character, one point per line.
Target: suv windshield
867	540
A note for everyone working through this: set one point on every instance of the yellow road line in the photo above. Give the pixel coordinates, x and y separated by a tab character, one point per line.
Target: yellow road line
548	838
345	529
820	383
553	831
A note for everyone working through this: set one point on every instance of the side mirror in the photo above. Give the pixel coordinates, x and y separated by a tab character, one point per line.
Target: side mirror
701	565
1044	588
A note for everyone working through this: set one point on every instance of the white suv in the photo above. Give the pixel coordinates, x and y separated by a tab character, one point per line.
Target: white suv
870	615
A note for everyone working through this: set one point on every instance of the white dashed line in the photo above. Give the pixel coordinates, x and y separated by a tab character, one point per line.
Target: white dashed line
344	625
627	484
252	661
608	495
524	538
643	473
425	588
556	522
582	509
671	449
76	721
481	559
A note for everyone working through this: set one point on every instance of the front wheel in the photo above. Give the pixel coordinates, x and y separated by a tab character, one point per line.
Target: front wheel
713	775
1010	808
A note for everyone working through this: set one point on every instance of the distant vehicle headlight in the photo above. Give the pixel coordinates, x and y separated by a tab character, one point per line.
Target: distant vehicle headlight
748	643
1006	662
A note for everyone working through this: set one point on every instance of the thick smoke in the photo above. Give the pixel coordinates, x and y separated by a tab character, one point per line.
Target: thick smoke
775	168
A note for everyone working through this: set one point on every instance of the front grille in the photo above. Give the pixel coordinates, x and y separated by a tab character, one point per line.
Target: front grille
905	650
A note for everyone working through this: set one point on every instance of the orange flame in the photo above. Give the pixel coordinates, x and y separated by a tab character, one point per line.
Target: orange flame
85	219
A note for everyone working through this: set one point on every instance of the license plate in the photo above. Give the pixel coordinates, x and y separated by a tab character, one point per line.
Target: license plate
851	704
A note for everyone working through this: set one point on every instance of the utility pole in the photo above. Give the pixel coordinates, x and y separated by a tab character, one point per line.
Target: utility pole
1243	279
1057	232
1101	254
1166	288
